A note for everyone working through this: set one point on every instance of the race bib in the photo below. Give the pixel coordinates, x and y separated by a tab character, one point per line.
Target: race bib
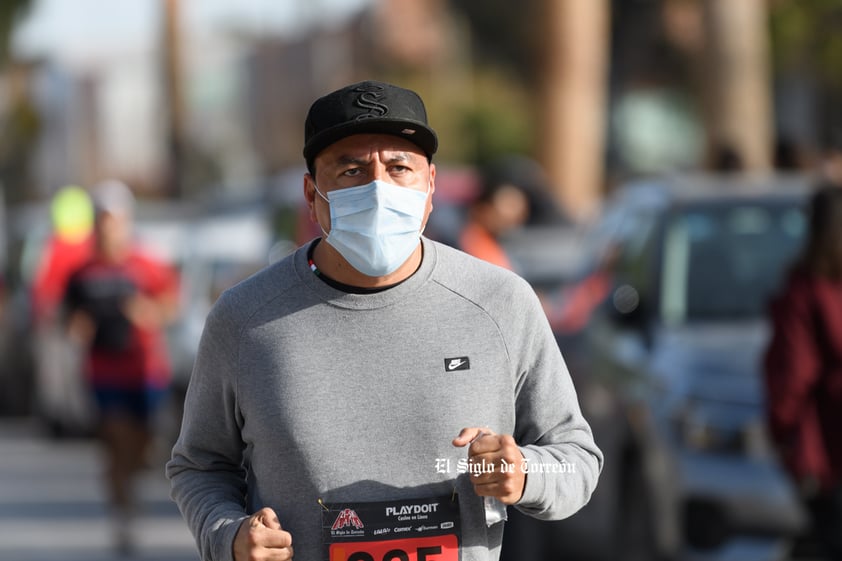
407	530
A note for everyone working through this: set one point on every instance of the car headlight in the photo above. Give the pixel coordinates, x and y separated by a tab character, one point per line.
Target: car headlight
714	430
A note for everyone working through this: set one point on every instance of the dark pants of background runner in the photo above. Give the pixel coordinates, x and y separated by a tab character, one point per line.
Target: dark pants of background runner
826	514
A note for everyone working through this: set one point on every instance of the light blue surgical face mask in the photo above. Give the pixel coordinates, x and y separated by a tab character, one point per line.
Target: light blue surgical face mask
377	226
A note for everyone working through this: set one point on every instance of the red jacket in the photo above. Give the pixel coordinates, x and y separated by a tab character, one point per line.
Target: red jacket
803	375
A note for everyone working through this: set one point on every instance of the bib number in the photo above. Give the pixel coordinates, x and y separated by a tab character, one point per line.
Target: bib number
409	530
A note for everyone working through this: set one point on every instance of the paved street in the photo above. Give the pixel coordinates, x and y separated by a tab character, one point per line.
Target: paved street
52	505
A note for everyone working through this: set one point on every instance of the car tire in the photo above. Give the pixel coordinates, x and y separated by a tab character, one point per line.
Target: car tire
635	538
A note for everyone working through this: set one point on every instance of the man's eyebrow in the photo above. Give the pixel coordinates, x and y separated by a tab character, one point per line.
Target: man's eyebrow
347	159
398	157
351	160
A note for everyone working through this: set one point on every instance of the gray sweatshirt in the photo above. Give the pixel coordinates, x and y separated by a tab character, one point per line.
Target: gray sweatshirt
301	393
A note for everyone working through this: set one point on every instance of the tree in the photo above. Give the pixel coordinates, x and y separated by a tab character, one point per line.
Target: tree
738	85
807	51
558	50
10	12
574	75
19	119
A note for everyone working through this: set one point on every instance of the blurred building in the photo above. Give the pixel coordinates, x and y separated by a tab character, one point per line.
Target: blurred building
70	144
243	97
95	119
284	75
20	124
245	92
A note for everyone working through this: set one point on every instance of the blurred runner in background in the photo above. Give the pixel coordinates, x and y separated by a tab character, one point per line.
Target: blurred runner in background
117	305
803	367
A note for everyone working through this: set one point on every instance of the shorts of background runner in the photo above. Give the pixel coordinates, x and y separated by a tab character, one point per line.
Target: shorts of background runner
140	404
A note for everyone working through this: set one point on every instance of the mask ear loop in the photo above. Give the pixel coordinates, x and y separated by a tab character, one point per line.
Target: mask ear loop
429	188
316	187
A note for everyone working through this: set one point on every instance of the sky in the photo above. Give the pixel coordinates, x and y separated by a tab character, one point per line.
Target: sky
75	28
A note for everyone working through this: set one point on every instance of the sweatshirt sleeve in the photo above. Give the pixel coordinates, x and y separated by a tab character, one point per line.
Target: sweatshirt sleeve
206	471
563	461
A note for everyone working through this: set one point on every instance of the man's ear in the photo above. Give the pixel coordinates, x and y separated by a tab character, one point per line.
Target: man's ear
310	195
432	186
429	208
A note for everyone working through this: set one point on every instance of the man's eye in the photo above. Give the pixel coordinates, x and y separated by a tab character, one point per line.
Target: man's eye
352	172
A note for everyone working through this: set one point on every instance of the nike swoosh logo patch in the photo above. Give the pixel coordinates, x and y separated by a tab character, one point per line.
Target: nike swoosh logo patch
458	363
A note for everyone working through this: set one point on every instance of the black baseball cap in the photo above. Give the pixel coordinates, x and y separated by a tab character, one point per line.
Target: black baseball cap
367	107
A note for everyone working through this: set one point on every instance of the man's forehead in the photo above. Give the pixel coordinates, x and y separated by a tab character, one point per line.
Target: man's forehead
363	147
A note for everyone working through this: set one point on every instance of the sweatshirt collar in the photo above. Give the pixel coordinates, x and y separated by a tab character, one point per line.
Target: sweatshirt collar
375	300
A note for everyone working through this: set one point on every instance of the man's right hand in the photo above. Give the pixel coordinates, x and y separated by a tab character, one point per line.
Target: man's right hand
261	538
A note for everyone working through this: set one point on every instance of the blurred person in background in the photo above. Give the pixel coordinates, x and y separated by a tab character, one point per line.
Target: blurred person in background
803	370
499	208
69	246
60	400
116	306
531	178
513	192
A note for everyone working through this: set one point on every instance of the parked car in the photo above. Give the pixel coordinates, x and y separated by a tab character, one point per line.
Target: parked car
26	228
668	374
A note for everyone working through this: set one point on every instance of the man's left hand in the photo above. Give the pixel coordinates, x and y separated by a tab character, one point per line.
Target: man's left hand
495	464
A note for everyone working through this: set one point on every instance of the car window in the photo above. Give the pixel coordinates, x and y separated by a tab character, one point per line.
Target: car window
633	265
723	262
